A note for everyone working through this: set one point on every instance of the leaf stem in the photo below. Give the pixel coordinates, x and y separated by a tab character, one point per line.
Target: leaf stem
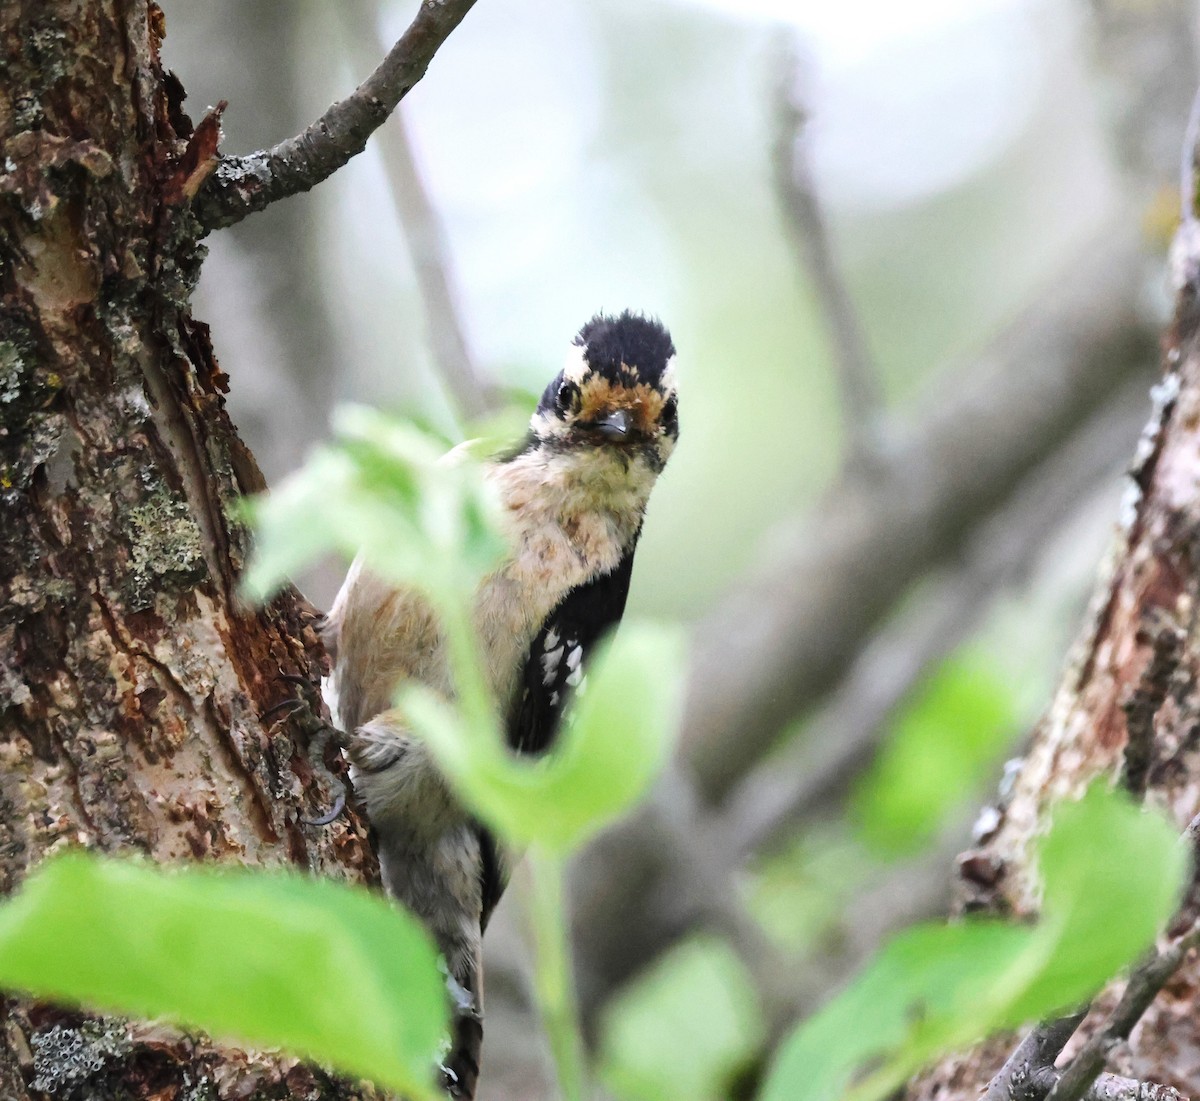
466	665
553	984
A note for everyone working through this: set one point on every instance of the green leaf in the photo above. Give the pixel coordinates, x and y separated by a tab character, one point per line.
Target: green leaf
929	986
682	1032
1112	876
943	746
613	744
275	959
387	491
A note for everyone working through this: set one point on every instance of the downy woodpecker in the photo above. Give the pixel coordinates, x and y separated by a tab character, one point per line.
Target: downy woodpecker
573	495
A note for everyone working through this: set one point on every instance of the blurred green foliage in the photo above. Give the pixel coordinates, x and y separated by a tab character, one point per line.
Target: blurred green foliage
681	218
798	894
296	962
385	490
685	1029
942	748
1111	874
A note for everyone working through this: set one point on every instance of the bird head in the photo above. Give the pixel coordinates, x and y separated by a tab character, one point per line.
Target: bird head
616	393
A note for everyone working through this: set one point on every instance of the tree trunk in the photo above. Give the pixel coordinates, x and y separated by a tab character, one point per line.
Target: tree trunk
1128	708
132	682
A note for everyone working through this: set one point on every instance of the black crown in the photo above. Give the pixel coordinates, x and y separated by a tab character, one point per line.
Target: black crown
628	338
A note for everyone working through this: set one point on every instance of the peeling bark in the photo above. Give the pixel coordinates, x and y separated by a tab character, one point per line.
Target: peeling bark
132	682
1127	708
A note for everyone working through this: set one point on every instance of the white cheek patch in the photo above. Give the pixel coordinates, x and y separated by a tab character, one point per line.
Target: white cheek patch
667	382
545	426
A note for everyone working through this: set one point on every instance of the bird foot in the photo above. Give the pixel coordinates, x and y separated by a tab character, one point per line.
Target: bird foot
302	716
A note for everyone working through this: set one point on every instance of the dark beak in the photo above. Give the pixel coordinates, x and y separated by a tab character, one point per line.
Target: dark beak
612	426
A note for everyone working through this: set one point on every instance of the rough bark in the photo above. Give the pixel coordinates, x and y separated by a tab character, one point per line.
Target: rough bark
133	683
1128	708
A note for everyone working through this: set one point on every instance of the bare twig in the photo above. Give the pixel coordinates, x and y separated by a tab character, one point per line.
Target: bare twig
474	393
1029	1074
858	381
706	850
471	390
1145	981
1016	1080
1107	1087
785	635
243	185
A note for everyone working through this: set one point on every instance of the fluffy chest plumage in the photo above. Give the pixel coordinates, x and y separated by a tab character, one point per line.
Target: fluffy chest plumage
567	523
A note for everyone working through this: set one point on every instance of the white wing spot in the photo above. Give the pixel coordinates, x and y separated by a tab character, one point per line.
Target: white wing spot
553	699
550	664
574	657
575	677
551	640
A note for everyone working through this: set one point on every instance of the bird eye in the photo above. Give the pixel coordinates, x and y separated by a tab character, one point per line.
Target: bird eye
670	411
564	400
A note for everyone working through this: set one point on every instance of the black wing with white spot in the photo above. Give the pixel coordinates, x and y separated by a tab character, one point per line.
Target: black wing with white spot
553	670
558	658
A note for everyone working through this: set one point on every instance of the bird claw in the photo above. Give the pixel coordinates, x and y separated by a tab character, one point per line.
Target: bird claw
319	733
283	709
339	805
296	679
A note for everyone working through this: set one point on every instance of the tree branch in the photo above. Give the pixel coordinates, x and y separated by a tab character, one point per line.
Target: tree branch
469	387
788	632
243	185
798	626
1016	1080
1108	1087
473	392
858	382
1029	1073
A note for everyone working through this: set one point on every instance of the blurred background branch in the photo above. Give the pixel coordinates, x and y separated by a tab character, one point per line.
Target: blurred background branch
788	632
473	393
858	384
